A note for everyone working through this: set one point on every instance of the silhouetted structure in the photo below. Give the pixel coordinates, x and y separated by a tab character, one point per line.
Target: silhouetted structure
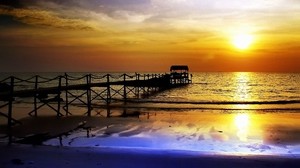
180	74
62	91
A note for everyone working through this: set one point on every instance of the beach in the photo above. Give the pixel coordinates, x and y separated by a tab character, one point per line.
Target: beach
229	132
244	123
159	139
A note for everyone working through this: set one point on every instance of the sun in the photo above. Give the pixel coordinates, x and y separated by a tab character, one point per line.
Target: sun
242	41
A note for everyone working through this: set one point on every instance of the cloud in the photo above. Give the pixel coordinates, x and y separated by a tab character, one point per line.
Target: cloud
114	14
34	16
12	3
158	19
131	16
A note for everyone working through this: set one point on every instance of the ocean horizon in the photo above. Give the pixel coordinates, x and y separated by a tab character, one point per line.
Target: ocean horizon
208	90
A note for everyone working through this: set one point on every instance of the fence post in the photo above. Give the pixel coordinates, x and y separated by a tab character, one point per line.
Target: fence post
10	109
124	84
108	96
35	95
88	94
58	97
137	89
66	94
148	87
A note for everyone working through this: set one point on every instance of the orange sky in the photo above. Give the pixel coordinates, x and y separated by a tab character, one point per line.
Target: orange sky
148	35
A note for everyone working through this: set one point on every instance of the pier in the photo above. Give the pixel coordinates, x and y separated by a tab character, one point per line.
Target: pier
61	92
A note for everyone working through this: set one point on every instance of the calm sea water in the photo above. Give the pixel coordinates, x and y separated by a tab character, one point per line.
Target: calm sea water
224	90
239	90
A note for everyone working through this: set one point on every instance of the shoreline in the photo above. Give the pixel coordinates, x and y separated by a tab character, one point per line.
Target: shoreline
250	133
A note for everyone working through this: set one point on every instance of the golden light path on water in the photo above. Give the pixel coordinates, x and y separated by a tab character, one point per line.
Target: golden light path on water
242	120
242	88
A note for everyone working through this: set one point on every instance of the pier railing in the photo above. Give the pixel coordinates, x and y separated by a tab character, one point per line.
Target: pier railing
60	92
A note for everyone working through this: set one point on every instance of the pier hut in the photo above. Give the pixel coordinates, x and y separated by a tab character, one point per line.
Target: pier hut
179	74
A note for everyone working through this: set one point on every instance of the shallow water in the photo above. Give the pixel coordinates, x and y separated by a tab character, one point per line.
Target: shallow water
216	132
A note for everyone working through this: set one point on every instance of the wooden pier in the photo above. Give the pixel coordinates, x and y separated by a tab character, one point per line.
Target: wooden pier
61	92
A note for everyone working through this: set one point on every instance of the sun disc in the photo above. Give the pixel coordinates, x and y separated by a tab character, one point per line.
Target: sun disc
242	41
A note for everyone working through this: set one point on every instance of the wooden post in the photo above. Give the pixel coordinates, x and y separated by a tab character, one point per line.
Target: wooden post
66	94
148	87
137	88
58	97
125	94
144	89
124	91
88	94
108	97
35	95
157	82
10	110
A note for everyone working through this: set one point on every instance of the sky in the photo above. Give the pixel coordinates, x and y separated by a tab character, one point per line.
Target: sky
148	35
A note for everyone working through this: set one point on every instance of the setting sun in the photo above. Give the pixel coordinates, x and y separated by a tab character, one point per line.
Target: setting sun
242	41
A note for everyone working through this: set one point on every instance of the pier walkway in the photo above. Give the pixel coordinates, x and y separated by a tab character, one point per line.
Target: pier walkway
60	92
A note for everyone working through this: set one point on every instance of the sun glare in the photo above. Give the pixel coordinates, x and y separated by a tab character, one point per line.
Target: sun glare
242	124
242	41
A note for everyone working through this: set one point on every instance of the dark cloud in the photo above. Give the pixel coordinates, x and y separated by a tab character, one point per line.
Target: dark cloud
93	4
9	22
12	3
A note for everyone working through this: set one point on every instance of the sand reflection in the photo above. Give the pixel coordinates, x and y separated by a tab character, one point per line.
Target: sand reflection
242	122
245	132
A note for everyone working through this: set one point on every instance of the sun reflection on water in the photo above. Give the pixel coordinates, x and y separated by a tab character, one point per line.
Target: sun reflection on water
242	122
242	86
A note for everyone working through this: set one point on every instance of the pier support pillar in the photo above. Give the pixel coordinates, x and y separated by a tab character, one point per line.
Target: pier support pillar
58	114
35	95
124	87
88	94
10	111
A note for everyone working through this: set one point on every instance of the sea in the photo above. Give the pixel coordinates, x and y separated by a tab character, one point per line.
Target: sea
218	112
208	90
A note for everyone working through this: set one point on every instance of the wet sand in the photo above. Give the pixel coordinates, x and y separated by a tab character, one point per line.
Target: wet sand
249	132
161	139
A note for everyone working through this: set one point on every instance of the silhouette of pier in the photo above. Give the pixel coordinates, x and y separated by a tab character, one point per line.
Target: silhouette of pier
60	92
